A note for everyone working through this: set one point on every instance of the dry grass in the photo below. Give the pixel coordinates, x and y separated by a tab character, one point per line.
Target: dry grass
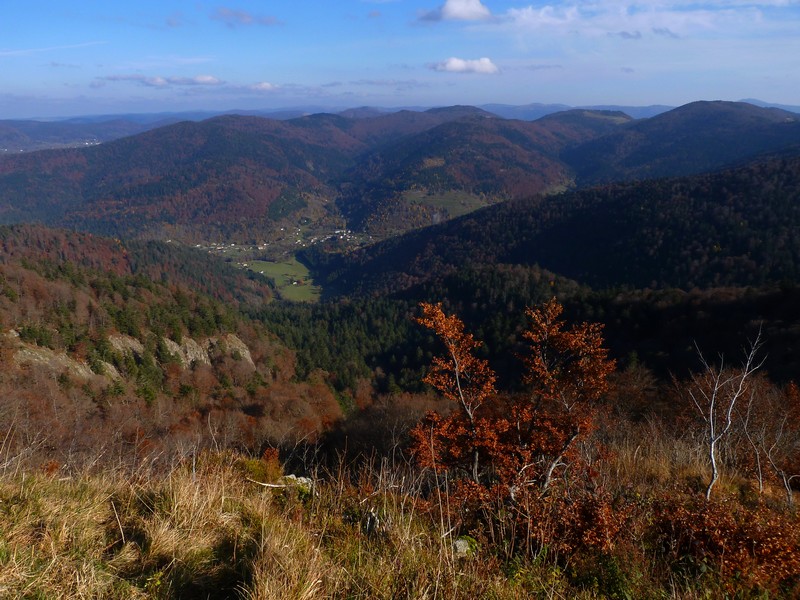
206	529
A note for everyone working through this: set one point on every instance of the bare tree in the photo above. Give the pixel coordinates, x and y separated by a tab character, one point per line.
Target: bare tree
715	392
772	426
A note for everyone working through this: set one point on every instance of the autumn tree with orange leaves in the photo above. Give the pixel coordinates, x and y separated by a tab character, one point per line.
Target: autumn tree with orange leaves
518	441
461	377
567	371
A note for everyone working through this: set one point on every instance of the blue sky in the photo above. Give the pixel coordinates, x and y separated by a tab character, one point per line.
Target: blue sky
60	58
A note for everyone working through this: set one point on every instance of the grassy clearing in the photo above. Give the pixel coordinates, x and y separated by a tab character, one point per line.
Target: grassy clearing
291	278
208	530
455	203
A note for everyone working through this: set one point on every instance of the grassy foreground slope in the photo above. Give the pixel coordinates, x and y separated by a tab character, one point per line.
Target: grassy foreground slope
209	528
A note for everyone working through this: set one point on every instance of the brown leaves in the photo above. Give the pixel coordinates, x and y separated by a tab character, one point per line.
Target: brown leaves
511	439
459	375
568	365
754	547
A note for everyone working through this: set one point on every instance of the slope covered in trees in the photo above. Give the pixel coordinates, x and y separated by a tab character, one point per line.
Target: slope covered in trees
733	227
236	177
241	178
413	181
695	138
106	346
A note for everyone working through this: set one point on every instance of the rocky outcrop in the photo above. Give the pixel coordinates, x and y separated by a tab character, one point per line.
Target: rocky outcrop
58	362
125	344
232	345
189	351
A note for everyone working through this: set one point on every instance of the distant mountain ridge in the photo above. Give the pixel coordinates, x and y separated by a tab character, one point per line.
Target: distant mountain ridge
693	138
239	178
243	177
38	134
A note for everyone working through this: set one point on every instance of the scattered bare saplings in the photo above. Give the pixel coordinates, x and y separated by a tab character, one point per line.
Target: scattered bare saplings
771	426
715	393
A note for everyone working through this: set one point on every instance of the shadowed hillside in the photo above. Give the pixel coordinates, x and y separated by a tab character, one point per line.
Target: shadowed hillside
697	137
734	227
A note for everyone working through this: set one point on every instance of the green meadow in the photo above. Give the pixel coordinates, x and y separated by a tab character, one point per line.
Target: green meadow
292	279
454	202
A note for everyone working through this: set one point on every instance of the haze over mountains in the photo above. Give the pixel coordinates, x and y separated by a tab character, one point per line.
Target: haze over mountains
38	134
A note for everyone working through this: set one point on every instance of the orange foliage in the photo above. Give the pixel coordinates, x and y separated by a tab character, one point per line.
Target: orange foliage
565	365
513	448
750	547
521	439
459	376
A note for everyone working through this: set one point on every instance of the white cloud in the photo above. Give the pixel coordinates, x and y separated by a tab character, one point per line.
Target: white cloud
163	82
460	65
635	19
263	86
459	10
465	10
234	18
546	16
198	80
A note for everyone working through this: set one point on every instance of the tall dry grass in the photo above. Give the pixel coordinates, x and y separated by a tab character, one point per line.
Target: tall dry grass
209	527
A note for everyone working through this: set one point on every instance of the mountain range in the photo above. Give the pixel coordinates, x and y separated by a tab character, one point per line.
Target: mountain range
734	227
241	178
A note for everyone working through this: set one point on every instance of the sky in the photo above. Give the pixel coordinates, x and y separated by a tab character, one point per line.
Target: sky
80	57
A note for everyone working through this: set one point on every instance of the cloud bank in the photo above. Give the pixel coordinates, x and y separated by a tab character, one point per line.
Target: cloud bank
164	82
459	65
237	18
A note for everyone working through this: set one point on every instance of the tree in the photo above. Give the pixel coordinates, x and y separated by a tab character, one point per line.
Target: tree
459	375
508	450
715	392
524	439
567	371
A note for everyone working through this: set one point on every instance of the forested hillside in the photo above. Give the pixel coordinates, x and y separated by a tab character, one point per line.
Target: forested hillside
695	138
733	227
242	178
106	346
462	165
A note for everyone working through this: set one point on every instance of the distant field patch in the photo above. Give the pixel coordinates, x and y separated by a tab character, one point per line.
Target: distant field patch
432	163
455	203
292	279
